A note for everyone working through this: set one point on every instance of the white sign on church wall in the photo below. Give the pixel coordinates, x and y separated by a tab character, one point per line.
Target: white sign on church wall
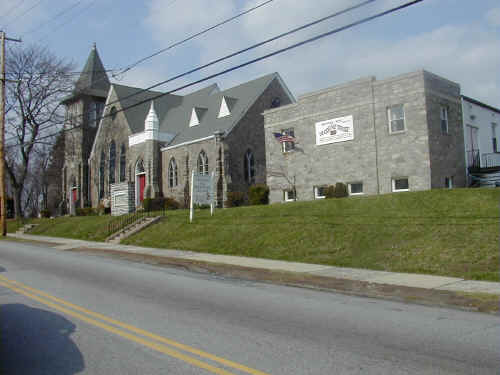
339	129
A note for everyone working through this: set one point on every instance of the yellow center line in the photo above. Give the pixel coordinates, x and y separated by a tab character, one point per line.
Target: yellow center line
23	289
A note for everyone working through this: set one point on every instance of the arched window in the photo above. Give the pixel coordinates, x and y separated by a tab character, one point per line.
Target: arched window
101	175
249	167
202	163
112	113
172	173
123	162
112	162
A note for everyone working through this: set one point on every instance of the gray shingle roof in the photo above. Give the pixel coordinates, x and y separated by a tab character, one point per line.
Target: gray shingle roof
174	111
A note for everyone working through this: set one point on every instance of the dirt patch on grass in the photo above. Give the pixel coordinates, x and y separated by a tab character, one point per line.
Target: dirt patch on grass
480	302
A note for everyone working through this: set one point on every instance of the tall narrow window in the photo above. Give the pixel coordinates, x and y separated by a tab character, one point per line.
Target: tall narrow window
202	163
92	114
396	116
112	162
101	175
249	167
494	137
172	173
123	162
444	120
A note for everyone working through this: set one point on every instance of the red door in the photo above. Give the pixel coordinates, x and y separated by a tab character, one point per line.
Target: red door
142	183
73	192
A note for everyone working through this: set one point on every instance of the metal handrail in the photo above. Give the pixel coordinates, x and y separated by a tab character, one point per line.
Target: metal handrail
121	222
473	159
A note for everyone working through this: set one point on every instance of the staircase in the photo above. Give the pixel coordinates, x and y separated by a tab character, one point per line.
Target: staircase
133	228
25	228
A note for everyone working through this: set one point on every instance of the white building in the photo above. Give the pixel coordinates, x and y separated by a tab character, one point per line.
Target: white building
481	140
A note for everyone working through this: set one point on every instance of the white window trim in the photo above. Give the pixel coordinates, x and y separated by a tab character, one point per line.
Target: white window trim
394	190
286	196
390	120
316	190
444	110
355	183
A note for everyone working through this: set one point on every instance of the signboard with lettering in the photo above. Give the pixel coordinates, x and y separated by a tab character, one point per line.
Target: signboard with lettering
202	192
339	129
202	189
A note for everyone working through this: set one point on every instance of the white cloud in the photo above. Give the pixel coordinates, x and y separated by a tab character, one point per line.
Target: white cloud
493	17
467	54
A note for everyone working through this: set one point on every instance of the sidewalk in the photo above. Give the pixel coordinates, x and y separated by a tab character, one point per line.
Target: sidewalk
378	277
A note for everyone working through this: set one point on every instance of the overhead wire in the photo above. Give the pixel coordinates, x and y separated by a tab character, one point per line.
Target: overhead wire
61	13
11	9
252	61
25	12
204	31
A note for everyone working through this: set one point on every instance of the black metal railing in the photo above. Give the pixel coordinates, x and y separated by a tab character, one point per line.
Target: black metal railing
121	222
473	159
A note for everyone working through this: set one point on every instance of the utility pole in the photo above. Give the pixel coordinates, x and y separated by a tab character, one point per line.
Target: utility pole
3	200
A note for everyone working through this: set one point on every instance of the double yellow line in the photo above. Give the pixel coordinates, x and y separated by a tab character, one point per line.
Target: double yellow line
127	331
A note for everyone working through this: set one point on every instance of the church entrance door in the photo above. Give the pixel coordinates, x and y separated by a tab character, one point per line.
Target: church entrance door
142	184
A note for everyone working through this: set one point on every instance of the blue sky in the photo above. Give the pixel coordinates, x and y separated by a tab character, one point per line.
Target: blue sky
457	39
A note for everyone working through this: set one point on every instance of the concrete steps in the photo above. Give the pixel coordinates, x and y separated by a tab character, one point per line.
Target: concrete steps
133	228
26	228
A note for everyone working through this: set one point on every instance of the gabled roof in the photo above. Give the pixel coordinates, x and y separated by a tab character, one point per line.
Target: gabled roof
175	112
136	114
243	96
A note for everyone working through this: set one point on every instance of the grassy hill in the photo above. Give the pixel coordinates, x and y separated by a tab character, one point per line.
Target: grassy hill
443	232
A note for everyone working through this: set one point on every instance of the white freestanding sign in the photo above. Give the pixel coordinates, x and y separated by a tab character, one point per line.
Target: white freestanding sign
202	192
339	129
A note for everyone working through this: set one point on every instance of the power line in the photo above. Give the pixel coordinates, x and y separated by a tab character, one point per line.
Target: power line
234	54
196	35
12	9
25	12
239	52
43	24
68	21
249	62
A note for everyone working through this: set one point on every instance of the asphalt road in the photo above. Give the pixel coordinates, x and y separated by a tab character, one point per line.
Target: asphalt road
70	313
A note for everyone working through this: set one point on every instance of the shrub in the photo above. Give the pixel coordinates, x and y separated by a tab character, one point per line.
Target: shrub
235	199
171	204
341	190
330	191
153	204
45	213
201	206
258	194
88	211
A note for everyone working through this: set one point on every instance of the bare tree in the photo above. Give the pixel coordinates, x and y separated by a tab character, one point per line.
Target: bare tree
282	173
34	112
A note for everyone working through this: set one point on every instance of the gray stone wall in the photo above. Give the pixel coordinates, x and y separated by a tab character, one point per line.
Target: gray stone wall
248	134
375	156
447	150
406	153
110	129
186	157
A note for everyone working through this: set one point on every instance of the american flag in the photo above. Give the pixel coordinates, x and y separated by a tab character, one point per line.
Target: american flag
281	138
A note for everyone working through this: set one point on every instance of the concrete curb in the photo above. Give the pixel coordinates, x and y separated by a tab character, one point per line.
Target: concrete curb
442	291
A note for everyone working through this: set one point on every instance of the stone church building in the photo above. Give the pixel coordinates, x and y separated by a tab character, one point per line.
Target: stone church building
148	142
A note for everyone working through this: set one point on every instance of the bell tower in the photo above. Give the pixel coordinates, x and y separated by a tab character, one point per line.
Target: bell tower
84	108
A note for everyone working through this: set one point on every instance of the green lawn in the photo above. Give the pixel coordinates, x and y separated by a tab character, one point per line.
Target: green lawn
442	232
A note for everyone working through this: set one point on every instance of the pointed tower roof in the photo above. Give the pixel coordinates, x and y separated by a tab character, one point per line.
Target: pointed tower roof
93	77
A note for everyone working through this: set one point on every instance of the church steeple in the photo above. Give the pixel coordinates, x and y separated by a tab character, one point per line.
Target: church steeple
93	76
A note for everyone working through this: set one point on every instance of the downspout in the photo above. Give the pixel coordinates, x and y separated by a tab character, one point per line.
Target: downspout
375	137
